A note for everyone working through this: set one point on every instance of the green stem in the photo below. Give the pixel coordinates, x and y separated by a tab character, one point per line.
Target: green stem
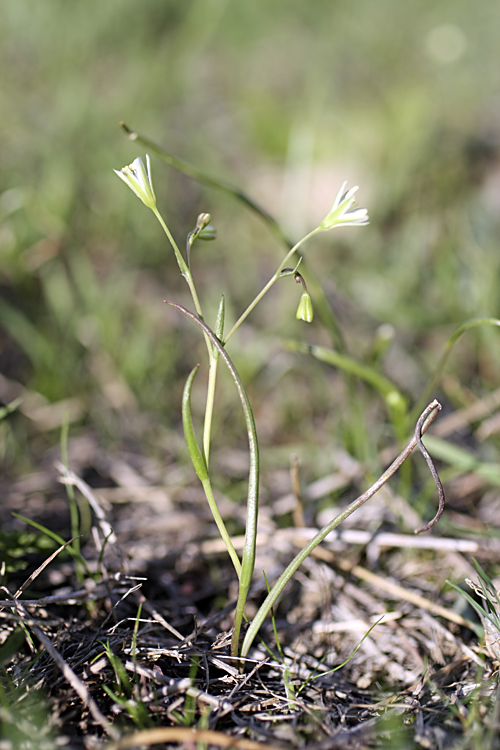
209	406
209	494
243	590
186	272
320	536
184	269
212	379
201	468
268	286
248	557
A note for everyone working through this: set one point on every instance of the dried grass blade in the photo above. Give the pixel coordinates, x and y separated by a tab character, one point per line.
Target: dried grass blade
184	734
69	477
42	567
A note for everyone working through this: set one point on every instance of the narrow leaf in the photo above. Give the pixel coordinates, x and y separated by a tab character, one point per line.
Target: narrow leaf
196	456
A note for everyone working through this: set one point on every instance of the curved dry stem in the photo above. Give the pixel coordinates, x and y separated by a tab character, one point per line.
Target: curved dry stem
425	421
432	469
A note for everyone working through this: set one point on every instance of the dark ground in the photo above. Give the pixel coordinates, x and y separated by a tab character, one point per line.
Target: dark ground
82	667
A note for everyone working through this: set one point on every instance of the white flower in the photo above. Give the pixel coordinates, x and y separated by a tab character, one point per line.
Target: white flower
139	180
341	214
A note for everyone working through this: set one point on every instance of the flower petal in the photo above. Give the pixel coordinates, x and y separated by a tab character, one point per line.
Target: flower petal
139	180
341	213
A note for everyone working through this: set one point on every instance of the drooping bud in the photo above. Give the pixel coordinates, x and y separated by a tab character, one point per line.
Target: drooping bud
305	309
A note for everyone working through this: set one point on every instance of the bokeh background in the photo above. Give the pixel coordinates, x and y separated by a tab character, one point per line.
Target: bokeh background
285	100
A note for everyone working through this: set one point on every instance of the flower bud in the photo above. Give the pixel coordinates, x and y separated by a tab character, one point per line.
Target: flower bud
305	309
202	221
203	229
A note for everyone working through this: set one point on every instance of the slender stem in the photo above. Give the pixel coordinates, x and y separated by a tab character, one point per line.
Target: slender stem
269	284
209	406
184	269
432	412
348	364
207	487
212	379
238	620
248	557
186	272
73	508
201	468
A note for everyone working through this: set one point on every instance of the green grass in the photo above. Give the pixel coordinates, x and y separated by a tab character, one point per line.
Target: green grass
370	105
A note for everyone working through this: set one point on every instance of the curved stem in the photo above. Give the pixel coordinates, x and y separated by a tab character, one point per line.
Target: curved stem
184	269
201	468
269	284
186	272
248	557
209	494
430	463
432	411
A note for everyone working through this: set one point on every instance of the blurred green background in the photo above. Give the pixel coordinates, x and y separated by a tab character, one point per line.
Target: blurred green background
286	100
